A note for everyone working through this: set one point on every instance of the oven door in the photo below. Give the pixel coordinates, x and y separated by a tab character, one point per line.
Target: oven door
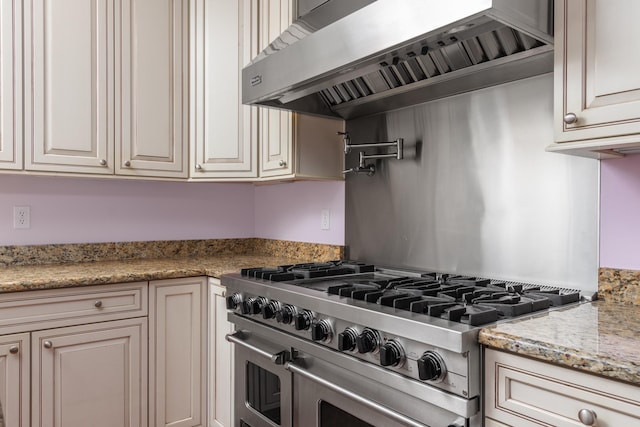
325	395
262	384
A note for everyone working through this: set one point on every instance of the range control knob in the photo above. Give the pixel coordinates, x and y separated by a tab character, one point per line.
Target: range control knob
257	304
431	367
391	353
367	341
303	320
286	314
321	330
233	301
347	339
270	309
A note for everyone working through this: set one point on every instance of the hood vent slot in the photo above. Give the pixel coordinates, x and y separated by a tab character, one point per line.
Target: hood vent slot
388	55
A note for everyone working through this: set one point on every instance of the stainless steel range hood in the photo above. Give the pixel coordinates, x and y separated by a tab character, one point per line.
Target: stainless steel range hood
390	54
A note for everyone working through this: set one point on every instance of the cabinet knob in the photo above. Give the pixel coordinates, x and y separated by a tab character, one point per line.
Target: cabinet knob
47	344
14	349
98	304
127	163
282	163
570	118
587	417
103	162
198	167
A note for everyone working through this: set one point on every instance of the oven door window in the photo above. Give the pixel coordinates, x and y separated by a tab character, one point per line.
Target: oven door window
333	416
263	392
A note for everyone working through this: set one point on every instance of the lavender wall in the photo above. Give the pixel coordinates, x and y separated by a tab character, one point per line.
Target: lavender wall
82	210
292	211
620	213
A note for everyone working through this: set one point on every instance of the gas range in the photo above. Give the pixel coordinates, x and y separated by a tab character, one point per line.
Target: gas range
422	326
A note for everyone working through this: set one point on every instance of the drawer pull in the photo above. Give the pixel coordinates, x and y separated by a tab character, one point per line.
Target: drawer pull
98	304
587	417
14	349
47	344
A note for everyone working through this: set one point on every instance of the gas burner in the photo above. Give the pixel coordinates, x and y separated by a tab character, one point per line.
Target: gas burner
307	270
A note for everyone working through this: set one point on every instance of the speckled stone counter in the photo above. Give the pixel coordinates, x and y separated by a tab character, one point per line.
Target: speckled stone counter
600	337
97	264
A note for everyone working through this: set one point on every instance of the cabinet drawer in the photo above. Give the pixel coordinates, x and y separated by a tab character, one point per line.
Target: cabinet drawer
524	392
32	310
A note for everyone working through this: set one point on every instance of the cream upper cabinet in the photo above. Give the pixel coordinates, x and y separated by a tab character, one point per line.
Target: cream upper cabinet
224	132
523	392
597	77
15	379
69	85
10	85
107	90
152	93
294	145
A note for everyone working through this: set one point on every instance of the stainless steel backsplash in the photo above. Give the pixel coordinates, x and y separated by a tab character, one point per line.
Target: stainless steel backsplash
476	192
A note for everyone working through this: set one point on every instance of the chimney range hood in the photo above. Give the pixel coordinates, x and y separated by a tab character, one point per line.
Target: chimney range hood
351	58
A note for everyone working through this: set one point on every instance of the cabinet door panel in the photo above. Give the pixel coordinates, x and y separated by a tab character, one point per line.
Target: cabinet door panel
151	88
90	375
10	86
599	75
68	100
224	131
14	379
276	127
177	363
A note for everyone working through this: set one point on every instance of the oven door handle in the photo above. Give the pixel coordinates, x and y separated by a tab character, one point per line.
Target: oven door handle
279	358
291	367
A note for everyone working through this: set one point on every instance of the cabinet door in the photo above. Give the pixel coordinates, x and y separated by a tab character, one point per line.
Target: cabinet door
276	127
177	363
14	379
69	95
91	375
151	86
224	133
10	85
598	75
221	358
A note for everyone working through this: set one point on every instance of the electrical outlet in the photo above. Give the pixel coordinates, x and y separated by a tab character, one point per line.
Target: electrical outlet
324	219
21	217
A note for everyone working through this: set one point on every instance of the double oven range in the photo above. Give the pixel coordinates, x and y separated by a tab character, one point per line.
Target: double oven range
351	345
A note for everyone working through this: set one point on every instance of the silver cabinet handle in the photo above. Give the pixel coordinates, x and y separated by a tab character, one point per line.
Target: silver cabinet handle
198	167
14	349
47	344
282	163
402	419
127	163
103	162
279	358
97	304
587	417
570	118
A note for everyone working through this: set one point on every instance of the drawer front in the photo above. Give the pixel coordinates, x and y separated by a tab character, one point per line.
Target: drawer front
524	392
27	311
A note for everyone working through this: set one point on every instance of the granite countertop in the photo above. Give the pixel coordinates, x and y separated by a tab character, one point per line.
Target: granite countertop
51	276
598	337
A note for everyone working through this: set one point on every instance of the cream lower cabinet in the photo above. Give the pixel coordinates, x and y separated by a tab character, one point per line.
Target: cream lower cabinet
90	375
597	81
178	352
74	357
522	392
220	360
15	379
